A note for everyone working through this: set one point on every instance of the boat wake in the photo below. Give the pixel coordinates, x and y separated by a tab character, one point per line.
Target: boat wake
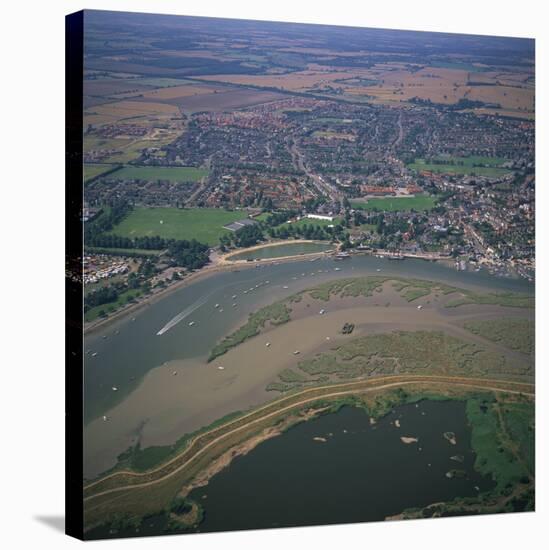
180	316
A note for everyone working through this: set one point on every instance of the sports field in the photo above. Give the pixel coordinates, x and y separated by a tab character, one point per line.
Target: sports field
203	224
491	166
394	204
157	173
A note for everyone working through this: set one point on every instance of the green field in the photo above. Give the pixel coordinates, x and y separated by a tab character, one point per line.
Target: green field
94	170
491	166
157	173
203	224
310	222
394	204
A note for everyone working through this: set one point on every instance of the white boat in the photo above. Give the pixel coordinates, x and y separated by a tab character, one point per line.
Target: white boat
191	323
234	305
216	305
105	418
268	344
234	296
114	388
220	368
297	352
94	354
221	310
285	286
322	312
174	373
378	269
419	307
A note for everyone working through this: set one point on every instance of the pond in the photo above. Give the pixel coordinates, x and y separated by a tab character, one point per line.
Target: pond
340	468
281	250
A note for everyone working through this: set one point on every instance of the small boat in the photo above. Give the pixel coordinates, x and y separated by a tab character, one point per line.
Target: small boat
268	344
216	305
133	318
234	296
322	312
297	352
337	268
285	286
234	305
420	307
221	310
245	292
104	337
94	354
191	323
220	368
114	388
378	269
105	418
174	373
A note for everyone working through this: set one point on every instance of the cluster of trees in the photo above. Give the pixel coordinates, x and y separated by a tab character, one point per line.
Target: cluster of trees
190	254
244	237
105	295
106	220
276	218
306	231
107	240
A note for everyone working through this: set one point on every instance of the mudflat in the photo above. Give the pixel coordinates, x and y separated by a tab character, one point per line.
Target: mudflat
182	396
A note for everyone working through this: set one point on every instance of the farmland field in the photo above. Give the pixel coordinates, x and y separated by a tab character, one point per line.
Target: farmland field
157	173
394	204
203	224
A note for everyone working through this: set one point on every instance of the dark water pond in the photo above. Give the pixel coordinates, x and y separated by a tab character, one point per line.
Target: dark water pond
361	472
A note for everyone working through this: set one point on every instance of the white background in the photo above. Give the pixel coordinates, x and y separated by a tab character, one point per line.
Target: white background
32	269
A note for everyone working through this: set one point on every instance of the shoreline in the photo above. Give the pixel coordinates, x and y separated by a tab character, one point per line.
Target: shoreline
223	264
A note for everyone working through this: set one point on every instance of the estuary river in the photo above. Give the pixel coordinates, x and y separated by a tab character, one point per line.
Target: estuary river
181	328
128	349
